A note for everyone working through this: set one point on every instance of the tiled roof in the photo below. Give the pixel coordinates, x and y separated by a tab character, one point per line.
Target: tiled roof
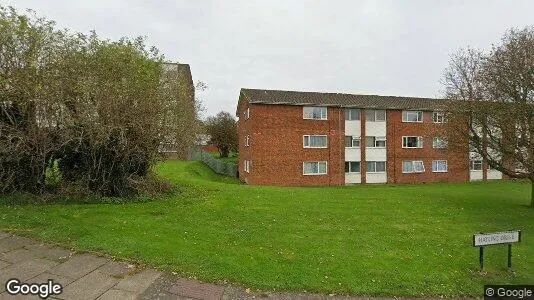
340	100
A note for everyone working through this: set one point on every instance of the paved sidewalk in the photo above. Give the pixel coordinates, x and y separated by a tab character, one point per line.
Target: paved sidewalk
87	276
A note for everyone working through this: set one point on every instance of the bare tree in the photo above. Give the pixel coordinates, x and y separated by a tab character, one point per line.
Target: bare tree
496	115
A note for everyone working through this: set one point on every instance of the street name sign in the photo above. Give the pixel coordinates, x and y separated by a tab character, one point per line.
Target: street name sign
506	237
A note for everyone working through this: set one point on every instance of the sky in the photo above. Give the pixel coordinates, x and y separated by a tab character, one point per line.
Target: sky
398	48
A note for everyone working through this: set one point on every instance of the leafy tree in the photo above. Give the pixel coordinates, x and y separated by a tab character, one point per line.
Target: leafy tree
97	109
497	114
223	131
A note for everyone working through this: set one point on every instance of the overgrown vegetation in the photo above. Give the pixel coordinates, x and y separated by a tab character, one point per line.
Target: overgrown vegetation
79	112
396	240
222	130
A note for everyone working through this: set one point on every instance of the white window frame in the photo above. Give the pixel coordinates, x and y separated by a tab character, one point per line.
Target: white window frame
350	162
376	139
375	172
374	113
413	164
419	142
352	139
247	166
247	140
436	164
472	164
437	115
309	136
418	112
315	174
349	110
436	141
325	117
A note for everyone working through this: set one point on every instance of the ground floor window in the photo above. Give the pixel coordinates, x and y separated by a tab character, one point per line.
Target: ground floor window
247	166
439	166
314	168
413	166
376	166
475	165
352	167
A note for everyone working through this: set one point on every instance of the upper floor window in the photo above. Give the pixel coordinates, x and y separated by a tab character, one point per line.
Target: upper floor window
352	114
247	140
352	141
413	166
439	143
376	166
315	112
475	165
412	116
439	166
372	115
375	141
412	142
352	167
438	117
314	168
315	141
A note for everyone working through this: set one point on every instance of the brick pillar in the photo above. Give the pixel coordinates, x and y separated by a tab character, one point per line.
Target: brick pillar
363	165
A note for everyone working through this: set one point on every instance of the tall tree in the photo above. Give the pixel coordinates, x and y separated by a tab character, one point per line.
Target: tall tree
223	131
497	114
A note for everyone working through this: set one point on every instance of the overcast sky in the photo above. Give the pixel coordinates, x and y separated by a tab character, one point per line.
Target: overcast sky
367	47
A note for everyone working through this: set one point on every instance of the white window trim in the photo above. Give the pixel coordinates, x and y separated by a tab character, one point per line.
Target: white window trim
377	138
326	115
446	166
247	116
247	166
315	174
419	139
350	113
376	172
438	113
310	135
434	143
413	166
247	140
417	111
481	165
354	137
375	110
352	161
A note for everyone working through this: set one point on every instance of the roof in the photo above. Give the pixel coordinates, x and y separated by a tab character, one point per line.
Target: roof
340	100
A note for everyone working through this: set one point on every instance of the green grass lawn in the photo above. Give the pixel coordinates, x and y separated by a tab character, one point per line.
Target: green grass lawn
405	240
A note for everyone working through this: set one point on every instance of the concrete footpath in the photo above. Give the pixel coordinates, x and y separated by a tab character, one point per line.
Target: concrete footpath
87	276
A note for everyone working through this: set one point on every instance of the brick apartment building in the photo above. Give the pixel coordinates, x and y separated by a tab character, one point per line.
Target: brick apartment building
308	138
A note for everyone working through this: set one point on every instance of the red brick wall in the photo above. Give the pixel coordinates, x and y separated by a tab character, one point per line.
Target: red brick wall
276	145
457	159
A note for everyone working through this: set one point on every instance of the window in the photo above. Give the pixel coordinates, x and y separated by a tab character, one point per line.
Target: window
314	168
352	114
412	116
412	142
475	165
375	115
375	141
315	113
247	115
315	141
376	166
413	166
439	166
247	140
438	117
352	167
439	143
352	141
247	166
